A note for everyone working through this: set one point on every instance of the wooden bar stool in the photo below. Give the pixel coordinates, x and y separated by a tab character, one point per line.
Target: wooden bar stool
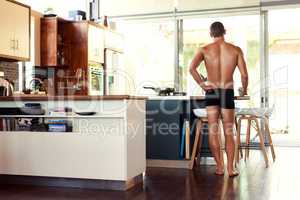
253	115
202	119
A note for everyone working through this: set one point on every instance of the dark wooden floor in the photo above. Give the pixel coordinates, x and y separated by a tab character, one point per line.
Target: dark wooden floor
280	181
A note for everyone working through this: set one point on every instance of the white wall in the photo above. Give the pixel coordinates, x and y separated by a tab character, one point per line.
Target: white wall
61	7
209	4
129	7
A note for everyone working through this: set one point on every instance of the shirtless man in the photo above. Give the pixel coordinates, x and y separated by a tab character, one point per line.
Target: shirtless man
221	59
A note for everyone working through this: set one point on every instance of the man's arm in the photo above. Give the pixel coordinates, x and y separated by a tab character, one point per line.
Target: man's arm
193	69
243	70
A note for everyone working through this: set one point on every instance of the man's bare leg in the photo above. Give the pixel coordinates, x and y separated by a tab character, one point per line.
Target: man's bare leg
213	113
228	126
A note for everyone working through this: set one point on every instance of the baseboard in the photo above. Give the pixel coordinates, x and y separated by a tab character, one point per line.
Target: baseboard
184	164
72	182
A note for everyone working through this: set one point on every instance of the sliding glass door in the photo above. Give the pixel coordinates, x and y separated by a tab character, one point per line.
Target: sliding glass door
149	51
242	30
284	69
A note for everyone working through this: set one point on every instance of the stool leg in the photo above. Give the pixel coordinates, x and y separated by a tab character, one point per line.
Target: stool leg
198	151
238	141
220	131
187	139
248	138
236	125
196	142
262	143
270	138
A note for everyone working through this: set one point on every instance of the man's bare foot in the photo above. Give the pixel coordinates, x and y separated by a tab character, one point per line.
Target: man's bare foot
233	173
219	171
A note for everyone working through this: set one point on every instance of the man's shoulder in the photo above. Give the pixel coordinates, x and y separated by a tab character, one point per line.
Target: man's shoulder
207	47
237	49
231	45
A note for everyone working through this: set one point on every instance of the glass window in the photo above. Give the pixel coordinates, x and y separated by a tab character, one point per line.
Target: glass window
149	54
284	62
242	30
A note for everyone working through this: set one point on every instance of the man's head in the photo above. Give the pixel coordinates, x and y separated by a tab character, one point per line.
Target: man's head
217	30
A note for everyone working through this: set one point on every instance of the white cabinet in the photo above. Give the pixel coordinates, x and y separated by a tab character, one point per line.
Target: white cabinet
95	44
15	31
6	30
114	40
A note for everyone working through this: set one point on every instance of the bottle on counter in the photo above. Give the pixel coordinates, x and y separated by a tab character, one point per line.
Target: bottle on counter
105	21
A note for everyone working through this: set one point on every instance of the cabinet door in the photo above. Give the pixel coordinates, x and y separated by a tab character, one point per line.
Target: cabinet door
22	31
101	45
7	42
113	40
49	41
95	44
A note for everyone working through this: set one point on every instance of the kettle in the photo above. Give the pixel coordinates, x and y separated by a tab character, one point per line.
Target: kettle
6	88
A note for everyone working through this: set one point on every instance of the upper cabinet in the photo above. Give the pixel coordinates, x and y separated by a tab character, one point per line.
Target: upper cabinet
65	43
15	31
95	44
113	40
55	42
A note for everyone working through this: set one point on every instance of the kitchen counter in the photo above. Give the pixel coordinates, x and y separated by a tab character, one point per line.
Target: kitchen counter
31	97
236	97
106	150
165	128
200	97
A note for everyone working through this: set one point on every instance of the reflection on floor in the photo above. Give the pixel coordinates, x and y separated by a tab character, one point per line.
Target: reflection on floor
286	140
280	181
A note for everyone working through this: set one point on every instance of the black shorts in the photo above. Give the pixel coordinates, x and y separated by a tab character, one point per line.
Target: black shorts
223	98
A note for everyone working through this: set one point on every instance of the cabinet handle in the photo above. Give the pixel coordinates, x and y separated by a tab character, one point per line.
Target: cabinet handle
17	46
12	44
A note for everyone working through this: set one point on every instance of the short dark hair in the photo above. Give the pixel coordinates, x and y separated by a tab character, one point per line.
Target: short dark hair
217	29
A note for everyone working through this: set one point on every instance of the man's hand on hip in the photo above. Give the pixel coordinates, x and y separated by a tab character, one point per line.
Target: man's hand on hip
207	86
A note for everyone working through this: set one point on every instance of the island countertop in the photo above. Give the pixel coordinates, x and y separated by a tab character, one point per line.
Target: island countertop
200	97
235	97
69	98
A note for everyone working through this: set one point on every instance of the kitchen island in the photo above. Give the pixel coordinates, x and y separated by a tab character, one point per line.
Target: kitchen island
104	150
166	118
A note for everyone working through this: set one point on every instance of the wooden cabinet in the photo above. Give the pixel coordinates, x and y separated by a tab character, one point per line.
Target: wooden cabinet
59	37
15	31
71	46
55	42
36	38
95	44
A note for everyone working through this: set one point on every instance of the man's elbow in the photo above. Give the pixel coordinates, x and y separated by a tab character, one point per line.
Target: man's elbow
192	70
245	77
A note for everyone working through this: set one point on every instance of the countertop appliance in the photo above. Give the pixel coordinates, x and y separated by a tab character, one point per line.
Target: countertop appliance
6	88
96	79
115	78
165	91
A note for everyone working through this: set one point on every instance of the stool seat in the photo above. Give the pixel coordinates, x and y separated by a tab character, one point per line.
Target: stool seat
200	112
257	112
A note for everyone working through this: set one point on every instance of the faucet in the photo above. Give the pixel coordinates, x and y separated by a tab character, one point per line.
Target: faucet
36	86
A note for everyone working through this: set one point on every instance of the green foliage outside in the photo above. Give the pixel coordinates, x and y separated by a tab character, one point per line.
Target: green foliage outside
252	59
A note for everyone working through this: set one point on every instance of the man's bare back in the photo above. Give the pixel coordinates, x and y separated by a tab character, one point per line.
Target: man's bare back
221	59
